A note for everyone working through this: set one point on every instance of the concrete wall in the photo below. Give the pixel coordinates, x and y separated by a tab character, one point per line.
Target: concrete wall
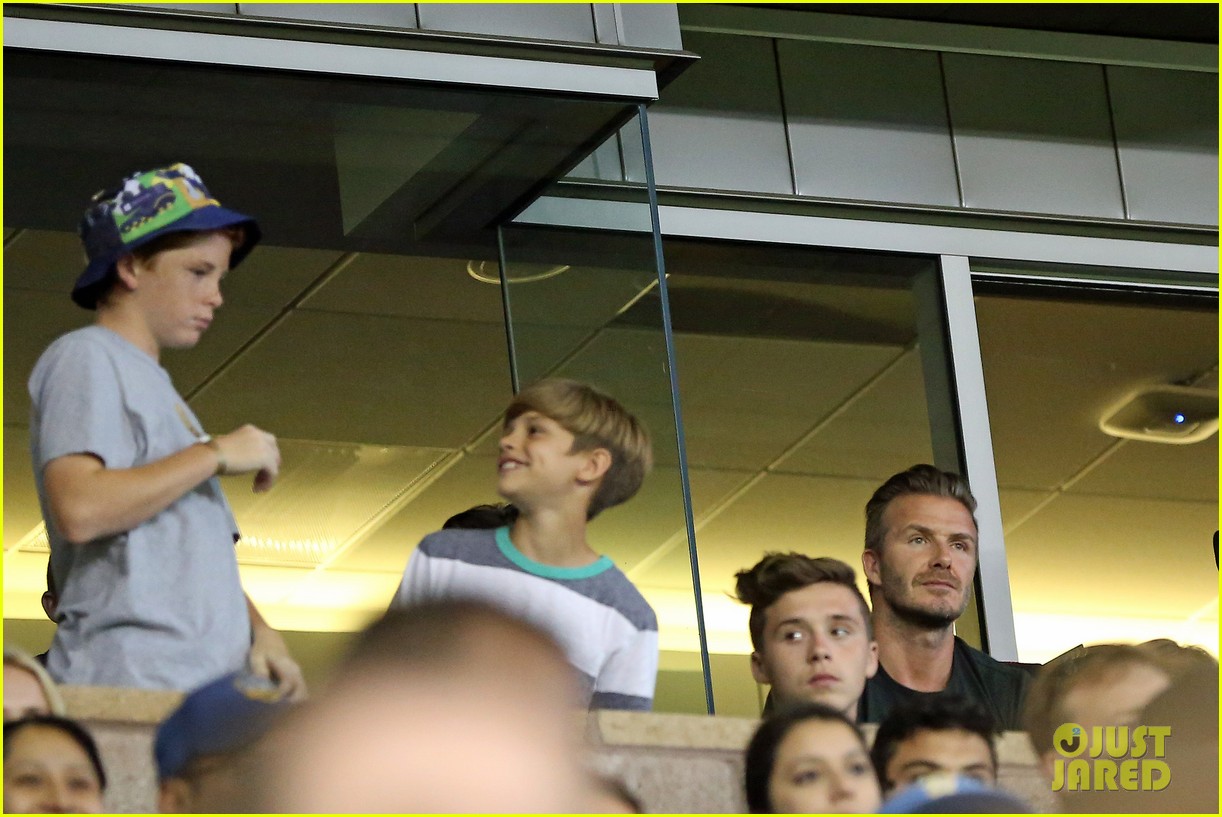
919	127
673	763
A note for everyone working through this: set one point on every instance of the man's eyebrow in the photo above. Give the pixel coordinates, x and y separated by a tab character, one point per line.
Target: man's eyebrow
924	531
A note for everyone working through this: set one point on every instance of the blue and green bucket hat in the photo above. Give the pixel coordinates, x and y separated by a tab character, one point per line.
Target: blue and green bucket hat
145	206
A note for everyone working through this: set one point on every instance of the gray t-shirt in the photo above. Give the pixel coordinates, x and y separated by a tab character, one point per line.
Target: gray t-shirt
160	606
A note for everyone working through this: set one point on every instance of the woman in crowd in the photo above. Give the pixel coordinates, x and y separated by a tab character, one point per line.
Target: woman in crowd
51	765
808	759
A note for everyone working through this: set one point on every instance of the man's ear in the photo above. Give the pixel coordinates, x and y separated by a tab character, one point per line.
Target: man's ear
597	463
872	661
757	669
869	566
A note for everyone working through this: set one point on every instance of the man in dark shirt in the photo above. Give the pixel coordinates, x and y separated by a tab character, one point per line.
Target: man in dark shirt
920	559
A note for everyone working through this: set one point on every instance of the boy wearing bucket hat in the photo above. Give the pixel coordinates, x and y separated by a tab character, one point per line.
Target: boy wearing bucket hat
142	538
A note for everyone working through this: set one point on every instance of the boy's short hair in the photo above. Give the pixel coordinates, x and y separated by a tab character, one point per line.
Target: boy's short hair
922	479
779	573
596	420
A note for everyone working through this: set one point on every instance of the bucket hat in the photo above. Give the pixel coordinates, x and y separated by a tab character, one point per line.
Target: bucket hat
145	206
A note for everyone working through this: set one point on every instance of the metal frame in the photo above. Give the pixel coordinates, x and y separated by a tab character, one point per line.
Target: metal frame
637	84
975	437
886	236
954	37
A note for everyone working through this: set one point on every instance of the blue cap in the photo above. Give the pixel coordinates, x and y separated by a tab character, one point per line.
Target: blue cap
147	205
942	793
223	716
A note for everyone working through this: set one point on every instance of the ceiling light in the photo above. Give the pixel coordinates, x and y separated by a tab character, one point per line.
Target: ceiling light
476	270
1164	414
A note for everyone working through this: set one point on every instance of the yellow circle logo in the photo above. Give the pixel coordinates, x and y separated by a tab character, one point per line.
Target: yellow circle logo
1069	740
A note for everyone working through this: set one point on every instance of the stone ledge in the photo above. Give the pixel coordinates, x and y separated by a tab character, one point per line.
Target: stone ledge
119	704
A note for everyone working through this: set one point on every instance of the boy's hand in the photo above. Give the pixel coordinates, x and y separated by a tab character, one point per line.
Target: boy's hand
248	449
270	658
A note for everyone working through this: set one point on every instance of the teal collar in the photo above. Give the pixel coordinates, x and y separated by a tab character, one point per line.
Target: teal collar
547	571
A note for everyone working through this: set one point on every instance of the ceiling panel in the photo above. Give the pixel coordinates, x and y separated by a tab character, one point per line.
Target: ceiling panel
813	515
32	319
1145	470
462	482
49	260
1050	380
1098	556
409	287
745	400
1017	505
21	511
883	432
326	494
366	379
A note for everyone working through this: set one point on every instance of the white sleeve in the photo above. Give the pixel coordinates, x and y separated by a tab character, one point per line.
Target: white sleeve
628	678
415	583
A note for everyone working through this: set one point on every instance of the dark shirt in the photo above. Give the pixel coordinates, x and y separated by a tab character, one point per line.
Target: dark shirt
999	688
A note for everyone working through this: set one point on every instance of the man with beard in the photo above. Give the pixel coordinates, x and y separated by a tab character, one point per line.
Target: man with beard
920	559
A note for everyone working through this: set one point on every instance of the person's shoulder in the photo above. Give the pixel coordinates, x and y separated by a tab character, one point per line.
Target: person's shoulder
451	541
989	666
74	343
621	593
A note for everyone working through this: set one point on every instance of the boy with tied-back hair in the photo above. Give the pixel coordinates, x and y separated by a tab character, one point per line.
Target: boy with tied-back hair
810	630
567	453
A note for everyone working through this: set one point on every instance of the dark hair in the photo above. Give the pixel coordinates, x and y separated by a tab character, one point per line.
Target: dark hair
938	714
483	516
176	240
761	751
779	573
596	420
921	480
66	725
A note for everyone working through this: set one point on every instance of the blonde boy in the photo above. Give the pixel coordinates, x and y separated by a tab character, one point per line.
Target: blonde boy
567	453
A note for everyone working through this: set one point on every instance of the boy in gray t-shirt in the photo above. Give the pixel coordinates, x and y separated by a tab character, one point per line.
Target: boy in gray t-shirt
142	538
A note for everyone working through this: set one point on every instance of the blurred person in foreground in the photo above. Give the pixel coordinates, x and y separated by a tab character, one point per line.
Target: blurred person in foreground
51	766
198	745
1073	702
441	706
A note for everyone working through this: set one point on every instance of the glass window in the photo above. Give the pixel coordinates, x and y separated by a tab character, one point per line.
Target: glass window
1110	532
803	389
363	331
